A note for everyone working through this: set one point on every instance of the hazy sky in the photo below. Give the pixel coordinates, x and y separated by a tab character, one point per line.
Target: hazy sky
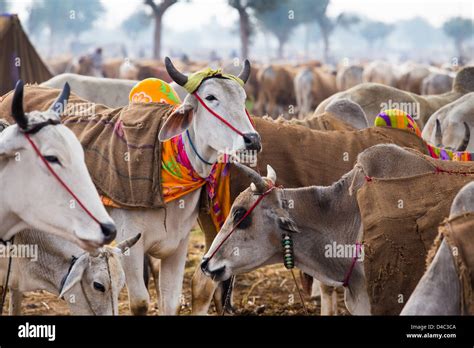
193	14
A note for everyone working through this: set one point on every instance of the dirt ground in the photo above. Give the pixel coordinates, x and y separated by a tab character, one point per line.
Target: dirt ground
267	291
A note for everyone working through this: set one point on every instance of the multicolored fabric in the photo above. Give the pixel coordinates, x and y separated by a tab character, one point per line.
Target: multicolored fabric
399	119
153	90
195	80
178	177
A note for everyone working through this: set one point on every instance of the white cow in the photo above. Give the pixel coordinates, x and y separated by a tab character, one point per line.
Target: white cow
32	195
211	137
90	283
110	92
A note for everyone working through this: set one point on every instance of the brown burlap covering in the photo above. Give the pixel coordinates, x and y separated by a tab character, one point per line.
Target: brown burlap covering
18	57
304	157
325	121
458	232
122	150
401	218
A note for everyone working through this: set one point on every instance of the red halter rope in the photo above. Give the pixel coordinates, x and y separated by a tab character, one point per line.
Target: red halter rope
220	118
345	283
63	184
348	275
254	205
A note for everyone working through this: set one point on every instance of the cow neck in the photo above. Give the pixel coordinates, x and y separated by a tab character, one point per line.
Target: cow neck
207	153
334	216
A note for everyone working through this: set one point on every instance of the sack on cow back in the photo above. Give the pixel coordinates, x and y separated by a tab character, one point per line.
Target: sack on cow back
400	218
319	157
458	232
325	121
122	150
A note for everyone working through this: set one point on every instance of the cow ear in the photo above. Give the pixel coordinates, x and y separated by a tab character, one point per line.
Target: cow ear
179	120
283	220
287	224
75	274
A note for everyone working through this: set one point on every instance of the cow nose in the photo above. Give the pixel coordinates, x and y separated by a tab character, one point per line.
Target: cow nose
252	141
204	263
110	232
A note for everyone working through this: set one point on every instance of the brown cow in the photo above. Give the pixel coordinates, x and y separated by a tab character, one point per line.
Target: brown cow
312	86
374	98
348	76
276	94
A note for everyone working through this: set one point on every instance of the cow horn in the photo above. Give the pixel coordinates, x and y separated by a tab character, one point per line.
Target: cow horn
128	243
177	76
17	106
245	73
467	137
438	134
60	103
256	178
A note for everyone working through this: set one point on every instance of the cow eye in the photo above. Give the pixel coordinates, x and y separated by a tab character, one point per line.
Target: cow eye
99	287
52	159
238	215
210	97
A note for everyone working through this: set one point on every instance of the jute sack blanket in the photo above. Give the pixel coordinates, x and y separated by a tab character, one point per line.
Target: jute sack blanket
122	150
458	232
305	157
325	121
400	218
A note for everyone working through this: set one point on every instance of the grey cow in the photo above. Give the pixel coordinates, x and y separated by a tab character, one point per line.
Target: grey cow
89	283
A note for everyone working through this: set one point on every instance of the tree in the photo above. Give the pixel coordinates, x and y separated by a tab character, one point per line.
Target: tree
4	6
459	29
136	23
310	11
158	12
280	21
244	7
63	18
373	31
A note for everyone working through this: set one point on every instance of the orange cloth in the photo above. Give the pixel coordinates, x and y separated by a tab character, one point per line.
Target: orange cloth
177	174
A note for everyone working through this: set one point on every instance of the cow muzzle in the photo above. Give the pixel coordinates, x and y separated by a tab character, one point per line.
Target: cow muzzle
252	142
218	274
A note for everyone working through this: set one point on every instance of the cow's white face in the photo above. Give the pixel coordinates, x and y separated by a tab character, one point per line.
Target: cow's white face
93	285
32	193
227	99
212	136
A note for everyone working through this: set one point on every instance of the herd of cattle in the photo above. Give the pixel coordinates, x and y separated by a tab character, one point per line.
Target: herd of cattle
327	114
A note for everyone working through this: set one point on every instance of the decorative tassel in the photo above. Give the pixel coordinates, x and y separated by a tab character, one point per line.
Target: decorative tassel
288	257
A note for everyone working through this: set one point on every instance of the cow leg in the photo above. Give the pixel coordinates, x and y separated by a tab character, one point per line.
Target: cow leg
328	300
316	289
133	266
16	298
171	279
203	289
154	264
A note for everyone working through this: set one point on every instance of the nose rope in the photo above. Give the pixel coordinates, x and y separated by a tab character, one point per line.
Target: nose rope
220	118
63	184
242	219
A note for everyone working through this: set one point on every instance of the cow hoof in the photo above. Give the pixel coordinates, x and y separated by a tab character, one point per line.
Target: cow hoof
140	308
